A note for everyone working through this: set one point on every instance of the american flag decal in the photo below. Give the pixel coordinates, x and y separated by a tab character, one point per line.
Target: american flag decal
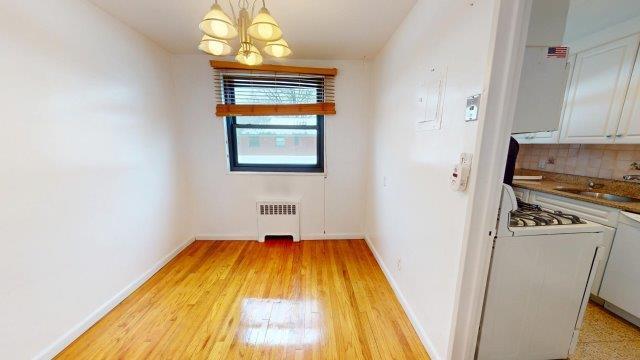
559	52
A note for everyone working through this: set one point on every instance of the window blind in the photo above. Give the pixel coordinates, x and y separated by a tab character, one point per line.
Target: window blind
274	90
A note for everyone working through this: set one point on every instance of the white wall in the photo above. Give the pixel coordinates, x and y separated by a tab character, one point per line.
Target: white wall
547	22
415	218
90	185
224	203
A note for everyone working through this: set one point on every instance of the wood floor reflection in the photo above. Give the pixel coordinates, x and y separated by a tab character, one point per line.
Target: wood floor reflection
246	300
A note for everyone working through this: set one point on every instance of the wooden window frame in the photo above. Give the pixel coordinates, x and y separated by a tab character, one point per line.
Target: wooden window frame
230	65
231	109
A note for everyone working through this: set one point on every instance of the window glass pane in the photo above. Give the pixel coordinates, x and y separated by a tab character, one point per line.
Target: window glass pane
298	120
277	146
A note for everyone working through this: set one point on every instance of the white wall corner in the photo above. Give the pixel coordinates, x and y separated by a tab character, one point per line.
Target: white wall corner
62	342
509	35
422	334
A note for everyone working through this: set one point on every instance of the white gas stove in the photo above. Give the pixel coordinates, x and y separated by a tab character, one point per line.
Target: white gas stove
542	267
518	218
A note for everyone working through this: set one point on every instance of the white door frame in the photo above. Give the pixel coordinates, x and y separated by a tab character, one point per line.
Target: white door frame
509	35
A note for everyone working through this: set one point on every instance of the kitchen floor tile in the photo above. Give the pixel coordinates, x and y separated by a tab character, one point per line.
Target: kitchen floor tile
600	325
618	350
606	336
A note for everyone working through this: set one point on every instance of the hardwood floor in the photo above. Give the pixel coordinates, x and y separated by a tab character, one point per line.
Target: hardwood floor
249	300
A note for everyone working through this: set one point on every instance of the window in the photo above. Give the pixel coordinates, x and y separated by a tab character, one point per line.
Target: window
274	143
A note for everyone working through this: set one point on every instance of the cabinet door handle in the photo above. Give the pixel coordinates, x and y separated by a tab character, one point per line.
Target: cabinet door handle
619	135
609	136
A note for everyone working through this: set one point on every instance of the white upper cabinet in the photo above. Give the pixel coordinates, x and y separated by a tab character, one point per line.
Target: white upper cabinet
543	82
629	129
599	83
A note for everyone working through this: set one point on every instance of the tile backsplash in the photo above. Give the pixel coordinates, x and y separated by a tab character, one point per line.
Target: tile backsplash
601	161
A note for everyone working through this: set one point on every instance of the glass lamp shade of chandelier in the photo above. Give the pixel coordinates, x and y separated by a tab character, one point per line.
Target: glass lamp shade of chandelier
278	48
249	55
217	24
264	27
213	46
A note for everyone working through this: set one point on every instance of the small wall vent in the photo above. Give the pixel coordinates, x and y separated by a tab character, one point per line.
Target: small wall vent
278	218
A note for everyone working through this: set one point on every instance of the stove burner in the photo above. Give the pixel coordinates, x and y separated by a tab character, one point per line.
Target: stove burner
533	215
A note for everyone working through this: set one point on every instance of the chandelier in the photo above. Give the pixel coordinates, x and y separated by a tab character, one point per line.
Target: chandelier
219	30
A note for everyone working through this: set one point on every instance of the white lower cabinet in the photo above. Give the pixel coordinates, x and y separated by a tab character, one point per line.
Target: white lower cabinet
621	285
602	215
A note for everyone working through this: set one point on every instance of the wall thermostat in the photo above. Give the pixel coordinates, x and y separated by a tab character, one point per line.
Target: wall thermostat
473	105
460	174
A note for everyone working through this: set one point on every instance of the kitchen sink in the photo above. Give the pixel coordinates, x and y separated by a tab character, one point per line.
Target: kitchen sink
598	195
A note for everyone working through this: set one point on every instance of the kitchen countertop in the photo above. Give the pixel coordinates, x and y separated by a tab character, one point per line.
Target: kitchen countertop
549	186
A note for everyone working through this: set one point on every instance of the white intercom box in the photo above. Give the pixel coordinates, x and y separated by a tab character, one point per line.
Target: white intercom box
460	174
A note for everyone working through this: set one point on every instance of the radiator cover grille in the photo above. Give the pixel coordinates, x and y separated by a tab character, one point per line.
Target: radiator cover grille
278	209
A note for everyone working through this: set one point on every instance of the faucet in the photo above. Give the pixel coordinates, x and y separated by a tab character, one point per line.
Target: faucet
631	177
593	185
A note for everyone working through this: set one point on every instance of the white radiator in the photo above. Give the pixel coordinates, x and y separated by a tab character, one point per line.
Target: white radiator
278	218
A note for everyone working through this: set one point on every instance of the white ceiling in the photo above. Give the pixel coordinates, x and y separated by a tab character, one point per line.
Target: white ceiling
315	29
589	16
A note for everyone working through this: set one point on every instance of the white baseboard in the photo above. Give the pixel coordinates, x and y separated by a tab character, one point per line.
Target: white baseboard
338	236
341	236
424	338
209	237
85	324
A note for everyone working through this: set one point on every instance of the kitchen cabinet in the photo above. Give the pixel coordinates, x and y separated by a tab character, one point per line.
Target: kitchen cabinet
629	129
620	284
541	94
542	137
543	83
596	96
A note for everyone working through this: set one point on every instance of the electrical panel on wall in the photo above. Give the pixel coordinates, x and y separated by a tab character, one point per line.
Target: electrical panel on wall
430	99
